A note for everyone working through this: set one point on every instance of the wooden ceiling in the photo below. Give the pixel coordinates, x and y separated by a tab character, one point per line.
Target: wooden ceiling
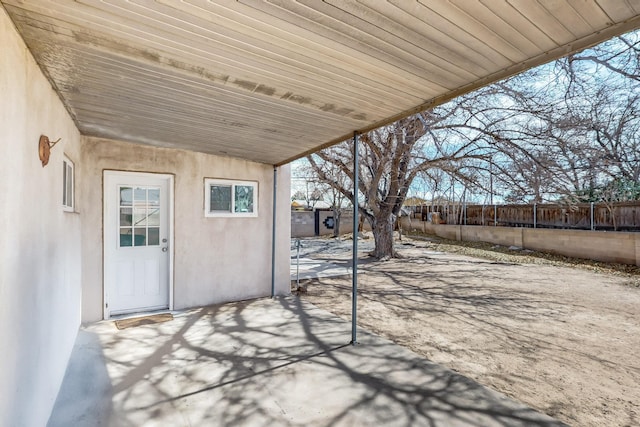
271	80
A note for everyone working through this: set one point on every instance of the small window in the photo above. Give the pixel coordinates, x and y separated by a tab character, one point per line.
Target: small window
230	198
67	185
139	218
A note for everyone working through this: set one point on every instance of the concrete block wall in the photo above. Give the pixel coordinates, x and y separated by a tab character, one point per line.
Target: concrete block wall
451	232
505	236
303	223
618	247
597	245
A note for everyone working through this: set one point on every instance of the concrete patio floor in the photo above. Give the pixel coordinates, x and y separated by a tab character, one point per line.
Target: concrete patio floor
280	362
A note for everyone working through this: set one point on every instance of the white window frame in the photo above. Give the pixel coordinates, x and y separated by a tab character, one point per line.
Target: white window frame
68	185
208	182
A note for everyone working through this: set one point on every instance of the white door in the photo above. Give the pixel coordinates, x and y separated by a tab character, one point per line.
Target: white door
137	241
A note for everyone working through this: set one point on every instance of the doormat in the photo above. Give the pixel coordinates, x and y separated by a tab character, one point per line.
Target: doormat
147	320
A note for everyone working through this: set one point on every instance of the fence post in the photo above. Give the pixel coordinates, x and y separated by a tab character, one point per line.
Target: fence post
464	212
592	224
535	215
495	215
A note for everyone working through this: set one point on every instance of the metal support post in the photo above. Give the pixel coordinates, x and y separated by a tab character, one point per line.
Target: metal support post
298	264
465	212
535	215
354	280
273	234
593	226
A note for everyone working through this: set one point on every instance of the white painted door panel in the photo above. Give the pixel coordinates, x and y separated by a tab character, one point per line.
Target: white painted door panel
136	242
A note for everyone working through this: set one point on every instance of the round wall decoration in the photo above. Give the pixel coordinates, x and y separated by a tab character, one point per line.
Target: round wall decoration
44	150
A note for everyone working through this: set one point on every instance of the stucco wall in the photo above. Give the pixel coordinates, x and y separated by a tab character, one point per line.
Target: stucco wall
39	243
303	223
215	259
451	232
505	236
599	245
604	246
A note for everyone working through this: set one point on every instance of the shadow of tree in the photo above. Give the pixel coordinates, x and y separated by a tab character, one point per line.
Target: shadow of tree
512	332
486	307
283	362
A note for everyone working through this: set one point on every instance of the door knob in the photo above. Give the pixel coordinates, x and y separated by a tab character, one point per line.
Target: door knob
165	249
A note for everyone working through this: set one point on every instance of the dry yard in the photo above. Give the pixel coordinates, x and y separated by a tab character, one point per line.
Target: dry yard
562	338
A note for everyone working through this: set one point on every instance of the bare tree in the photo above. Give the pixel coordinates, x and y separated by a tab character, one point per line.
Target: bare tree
326	192
587	140
313	192
390	159
573	127
557	132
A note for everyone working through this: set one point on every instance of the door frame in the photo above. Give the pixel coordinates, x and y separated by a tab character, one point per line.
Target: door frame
170	206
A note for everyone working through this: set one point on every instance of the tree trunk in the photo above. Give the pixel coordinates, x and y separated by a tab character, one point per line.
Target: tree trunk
383	235
336	222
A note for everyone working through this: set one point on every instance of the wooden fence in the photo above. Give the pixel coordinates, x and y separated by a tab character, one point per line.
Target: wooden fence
623	216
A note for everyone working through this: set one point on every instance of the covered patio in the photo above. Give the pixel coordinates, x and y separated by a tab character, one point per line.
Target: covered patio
266	362
213	95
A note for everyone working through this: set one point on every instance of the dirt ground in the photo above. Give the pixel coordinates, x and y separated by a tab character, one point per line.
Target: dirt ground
563	340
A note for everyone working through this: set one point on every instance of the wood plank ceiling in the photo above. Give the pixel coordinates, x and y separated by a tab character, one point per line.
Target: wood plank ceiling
272	80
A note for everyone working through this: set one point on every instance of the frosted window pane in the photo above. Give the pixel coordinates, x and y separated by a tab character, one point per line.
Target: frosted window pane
64	184
69	188
220	198
244	198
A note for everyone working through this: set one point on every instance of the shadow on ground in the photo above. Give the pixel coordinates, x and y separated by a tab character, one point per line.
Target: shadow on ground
266	363
559	339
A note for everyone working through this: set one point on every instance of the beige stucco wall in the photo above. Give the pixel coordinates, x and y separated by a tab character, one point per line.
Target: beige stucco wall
505	236
451	232
39	243
604	246
598	245
215	259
